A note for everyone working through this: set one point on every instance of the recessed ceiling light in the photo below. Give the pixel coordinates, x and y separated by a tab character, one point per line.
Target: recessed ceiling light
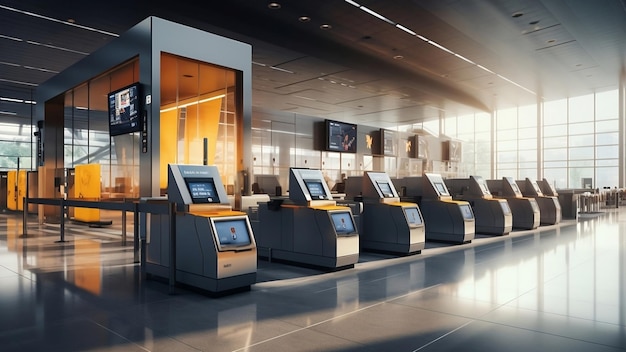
398	57
71	20
550	41
517	14
532	23
326	27
273	5
304	19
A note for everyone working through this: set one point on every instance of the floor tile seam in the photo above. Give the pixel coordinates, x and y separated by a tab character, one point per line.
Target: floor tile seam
560	315
334	318
543	332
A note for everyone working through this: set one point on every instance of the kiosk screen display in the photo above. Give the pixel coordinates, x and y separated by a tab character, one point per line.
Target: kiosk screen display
413	216
202	190
231	233
505	208
316	189
515	188
484	188
441	188
466	210
343	222
534	205
385	189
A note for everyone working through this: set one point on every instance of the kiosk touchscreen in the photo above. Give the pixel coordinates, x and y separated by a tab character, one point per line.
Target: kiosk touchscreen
493	216
308	228
445	219
389	225
549	206
525	210
214	248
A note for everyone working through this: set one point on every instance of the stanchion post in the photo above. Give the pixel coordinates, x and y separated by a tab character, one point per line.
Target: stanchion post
25	217
136	233
123	227
172	216
62	203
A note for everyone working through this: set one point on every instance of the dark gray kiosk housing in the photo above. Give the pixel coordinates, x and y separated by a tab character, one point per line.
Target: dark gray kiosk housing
215	248
549	205
388	224
446	220
308	228
525	210
493	216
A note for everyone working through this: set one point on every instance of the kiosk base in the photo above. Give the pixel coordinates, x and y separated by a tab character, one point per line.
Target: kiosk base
308	260
206	285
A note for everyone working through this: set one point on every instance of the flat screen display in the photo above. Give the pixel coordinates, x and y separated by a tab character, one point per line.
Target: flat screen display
413	216
316	189
340	136
232	233
388	139
202	190
484	188
385	189
343	222
125	110
466	211
515	188
534	205
441	188
505	208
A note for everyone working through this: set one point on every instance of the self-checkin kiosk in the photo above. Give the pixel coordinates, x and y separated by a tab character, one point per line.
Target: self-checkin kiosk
526	214
493	216
549	206
388	224
309	227
446	220
214	245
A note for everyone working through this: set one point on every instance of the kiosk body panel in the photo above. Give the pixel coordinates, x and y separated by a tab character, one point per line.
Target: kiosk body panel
448	221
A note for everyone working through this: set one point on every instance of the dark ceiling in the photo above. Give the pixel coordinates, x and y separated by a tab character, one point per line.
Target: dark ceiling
425	59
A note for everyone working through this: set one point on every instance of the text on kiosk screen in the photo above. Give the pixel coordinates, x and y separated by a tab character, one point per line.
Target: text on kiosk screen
202	190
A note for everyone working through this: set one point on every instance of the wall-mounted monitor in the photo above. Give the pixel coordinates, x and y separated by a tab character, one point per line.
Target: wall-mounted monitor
413	217
125	110
388	142
385	189
232	233
316	189
340	136
466	211
202	190
343	222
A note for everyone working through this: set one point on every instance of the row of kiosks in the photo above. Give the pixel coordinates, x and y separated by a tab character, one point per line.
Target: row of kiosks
493	216
526	214
446	220
214	246
389	225
309	227
549	205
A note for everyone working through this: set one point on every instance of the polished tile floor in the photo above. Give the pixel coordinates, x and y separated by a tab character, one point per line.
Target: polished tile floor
557	288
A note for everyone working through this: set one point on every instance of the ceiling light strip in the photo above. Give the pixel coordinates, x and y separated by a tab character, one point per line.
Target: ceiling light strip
58	21
433	43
